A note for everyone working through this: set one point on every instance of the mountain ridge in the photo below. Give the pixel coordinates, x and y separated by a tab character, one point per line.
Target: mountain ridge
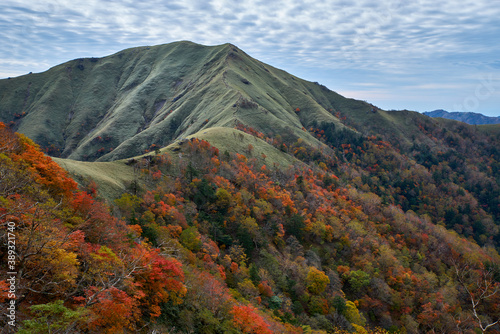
143	98
466	117
110	106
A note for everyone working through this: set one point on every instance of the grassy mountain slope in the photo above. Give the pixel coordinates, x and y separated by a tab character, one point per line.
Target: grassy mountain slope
124	104
116	177
118	106
100	103
113	178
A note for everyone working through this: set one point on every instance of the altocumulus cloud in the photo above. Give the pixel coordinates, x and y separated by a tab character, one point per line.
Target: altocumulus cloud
419	55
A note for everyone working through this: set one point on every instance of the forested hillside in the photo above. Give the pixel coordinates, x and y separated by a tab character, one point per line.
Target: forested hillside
219	242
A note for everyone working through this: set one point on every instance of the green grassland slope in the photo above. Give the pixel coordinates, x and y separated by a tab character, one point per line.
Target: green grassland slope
124	104
116	177
118	106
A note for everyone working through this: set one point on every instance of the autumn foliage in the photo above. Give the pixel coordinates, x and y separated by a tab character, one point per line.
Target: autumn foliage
247	320
219	244
70	248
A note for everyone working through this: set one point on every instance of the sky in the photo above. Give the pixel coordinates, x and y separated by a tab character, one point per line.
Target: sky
419	55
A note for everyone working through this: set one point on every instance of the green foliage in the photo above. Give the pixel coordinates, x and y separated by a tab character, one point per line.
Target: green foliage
150	232
191	172
358	279
254	273
128	203
339	304
295	226
206	322
317	305
52	317
297	307
223	200
245	237
275	302
204	193
190	238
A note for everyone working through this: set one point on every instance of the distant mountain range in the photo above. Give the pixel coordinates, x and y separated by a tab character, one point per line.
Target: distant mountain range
466	117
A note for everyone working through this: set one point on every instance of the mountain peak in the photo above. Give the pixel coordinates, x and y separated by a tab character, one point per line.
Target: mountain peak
143	98
123	104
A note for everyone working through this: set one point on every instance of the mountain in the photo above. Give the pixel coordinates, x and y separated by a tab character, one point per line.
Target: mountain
217	194
466	117
122	105
143	98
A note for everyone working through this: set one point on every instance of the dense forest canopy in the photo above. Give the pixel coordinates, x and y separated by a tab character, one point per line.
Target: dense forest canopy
358	239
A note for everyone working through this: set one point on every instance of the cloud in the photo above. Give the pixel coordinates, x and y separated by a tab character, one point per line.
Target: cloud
387	38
